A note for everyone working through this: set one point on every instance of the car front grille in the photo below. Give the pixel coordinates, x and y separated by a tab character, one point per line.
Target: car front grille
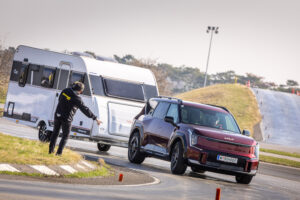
221	145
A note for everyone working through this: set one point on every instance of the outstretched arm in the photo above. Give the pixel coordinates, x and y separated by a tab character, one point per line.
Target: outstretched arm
85	110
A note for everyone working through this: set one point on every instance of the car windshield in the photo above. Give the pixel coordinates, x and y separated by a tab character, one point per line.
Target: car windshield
208	118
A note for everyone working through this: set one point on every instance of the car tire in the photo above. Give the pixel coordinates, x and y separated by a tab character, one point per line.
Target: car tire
197	170
134	147
44	135
103	147
178	163
243	179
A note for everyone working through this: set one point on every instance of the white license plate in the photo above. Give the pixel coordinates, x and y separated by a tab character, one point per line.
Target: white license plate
227	159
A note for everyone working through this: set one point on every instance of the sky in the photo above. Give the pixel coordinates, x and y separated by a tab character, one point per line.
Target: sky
255	36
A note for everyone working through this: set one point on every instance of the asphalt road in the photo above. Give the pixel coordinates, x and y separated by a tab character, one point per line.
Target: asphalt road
280	116
272	182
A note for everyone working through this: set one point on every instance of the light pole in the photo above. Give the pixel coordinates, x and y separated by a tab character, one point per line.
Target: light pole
211	30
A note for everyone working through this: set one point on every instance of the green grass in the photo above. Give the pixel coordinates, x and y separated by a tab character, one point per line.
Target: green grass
279	161
1	112
237	98
16	150
295	155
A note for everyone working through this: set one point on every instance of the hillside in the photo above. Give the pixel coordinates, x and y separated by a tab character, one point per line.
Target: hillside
237	98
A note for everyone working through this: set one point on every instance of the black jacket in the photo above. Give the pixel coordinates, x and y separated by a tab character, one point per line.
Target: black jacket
68	104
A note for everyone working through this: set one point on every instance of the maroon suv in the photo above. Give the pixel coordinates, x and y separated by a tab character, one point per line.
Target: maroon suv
204	137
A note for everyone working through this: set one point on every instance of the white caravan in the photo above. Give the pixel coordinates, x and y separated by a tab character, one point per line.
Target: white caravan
114	92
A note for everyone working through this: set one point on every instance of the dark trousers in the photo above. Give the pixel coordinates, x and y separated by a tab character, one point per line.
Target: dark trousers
66	128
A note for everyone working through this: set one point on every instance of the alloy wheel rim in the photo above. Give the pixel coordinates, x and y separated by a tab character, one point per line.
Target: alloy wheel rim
133	146
175	155
42	133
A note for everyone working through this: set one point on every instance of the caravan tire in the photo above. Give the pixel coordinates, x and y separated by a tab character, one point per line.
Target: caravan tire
103	147
44	135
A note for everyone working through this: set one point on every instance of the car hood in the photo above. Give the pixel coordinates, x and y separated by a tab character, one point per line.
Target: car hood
224	135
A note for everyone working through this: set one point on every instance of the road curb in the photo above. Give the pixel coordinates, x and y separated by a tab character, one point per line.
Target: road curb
50	170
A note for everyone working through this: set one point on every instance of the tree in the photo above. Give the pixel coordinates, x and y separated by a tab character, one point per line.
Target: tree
292	83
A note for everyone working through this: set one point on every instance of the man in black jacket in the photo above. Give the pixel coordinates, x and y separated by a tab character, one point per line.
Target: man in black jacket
69	102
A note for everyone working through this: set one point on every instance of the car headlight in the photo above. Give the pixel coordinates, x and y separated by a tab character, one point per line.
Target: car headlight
193	137
256	152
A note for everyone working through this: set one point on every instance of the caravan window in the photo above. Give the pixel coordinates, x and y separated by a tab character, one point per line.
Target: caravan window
150	91
47	79
123	89
23	75
15	71
87	90
83	79
97	85
62	84
76	77
34	76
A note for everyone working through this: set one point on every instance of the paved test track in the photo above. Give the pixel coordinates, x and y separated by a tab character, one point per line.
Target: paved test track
280	116
272	182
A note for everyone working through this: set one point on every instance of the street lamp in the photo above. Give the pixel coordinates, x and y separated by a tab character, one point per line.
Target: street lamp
211	30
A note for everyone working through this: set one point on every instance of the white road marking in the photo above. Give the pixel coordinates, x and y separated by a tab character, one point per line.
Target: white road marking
44	170
7	167
88	164
68	168
80	166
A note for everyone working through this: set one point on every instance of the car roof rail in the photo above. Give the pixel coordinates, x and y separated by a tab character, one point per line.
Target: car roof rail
171	98
219	107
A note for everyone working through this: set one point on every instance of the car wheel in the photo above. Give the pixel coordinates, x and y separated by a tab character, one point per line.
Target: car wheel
134	146
178	164
103	147
244	179
197	169
44	135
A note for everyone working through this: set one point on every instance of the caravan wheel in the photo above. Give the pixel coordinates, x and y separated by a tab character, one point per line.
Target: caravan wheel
44	135
103	147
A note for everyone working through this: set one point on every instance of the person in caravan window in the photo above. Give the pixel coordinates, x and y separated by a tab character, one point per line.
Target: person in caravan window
69	102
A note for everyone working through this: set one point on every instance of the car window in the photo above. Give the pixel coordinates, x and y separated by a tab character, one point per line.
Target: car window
173	112
161	110
208	118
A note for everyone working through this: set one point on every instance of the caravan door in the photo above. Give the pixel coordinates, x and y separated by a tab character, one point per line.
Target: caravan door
62	83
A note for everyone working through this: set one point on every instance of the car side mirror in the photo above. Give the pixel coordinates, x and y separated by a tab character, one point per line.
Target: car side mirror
246	133
170	120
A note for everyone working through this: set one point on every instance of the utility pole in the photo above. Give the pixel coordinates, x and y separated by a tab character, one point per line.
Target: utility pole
211	30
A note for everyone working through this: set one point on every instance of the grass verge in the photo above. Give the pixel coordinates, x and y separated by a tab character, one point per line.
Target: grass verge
279	161
16	150
1	112
2	95
295	155
237	98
